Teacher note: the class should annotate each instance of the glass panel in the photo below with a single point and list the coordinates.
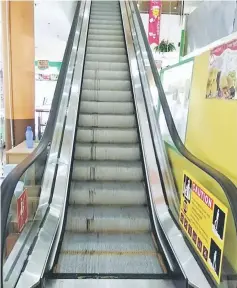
(22, 211)
(177, 85)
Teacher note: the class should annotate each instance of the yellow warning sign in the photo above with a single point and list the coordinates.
(203, 218)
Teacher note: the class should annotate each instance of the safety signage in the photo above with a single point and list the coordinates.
(22, 210)
(203, 218)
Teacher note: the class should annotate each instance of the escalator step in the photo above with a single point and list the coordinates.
(106, 58)
(106, 27)
(95, 107)
(116, 44)
(106, 66)
(107, 171)
(88, 151)
(107, 135)
(111, 85)
(106, 50)
(116, 219)
(115, 14)
(107, 17)
(105, 32)
(106, 96)
(107, 121)
(118, 38)
(106, 22)
(107, 193)
(108, 253)
(106, 75)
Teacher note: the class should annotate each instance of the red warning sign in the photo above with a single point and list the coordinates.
(22, 210)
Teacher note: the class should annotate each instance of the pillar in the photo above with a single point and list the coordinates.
(18, 69)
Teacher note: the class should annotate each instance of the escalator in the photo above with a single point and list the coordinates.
(108, 226)
(107, 214)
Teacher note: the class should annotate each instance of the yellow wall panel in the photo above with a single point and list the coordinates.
(212, 124)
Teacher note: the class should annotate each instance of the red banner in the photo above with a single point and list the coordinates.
(232, 45)
(22, 210)
(154, 22)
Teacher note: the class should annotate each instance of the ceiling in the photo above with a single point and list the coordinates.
(53, 20)
(168, 7)
(172, 7)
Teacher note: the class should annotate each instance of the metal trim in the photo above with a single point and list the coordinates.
(38, 258)
(115, 283)
(174, 237)
(143, 125)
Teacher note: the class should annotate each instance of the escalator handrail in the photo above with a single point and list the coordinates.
(226, 184)
(10, 182)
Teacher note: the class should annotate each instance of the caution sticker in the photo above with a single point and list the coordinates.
(203, 218)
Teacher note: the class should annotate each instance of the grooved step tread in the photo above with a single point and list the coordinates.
(118, 219)
(97, 107)
(100, 43)
(106, 58)
(107, 170)
(107, 121)
(108, 253)
(106, 96)
(98, 75)
(88, 151)
(107, 193)
(107, 135)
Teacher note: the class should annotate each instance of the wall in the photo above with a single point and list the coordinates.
(212, 20)
(216, 142)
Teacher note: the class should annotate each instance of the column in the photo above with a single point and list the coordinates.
(18, 69)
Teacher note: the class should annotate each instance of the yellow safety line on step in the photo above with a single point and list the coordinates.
(118, 253)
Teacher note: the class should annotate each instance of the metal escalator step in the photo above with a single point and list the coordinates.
(107, 193)
(107, 17)
(100, 7)
(106, 50)
(105, 3)
(120, 219)
(89, 151)
(106, 66)
(106, 22)
(106, 75)
(106, 27)
(118, 38)
(105, 8)
(108, 253)
(107, 170)
(104, 32)
(107, 121)
(106, 96)
(116, 44)
(107, 58)
(114, 14)
(111, 85)
(95, 107)
(107, 135)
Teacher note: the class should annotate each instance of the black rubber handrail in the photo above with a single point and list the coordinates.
(226, 184)
(10, 182)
